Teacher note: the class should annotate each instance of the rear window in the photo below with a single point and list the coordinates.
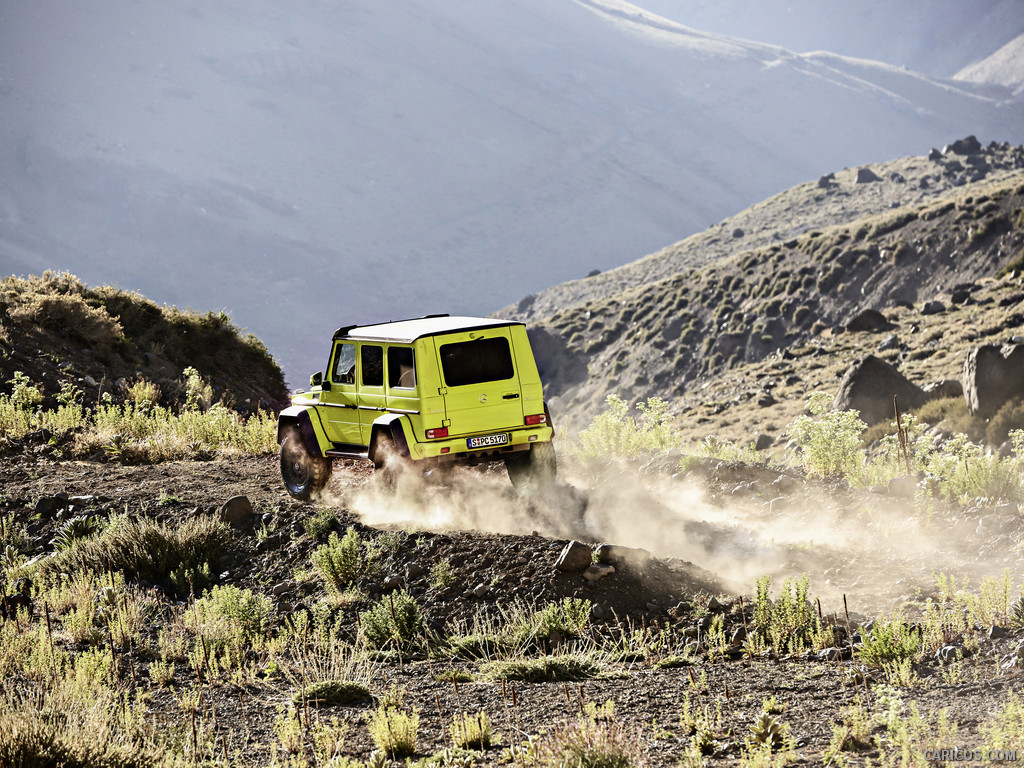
(477, 361)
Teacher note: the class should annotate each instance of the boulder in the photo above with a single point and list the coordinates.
(236, 510)
(993, 375)
(866, 176)
(967, 146)
(934, 155)
(869, 386)
(933, 307)
(868, 320)
(940, 390)
(574, 557)
(613, 553)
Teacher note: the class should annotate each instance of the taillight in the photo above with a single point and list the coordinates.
(434, 434)
(536, 418)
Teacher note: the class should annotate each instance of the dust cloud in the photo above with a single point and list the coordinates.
(876, 550)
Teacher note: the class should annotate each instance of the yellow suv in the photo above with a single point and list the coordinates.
(417, 393)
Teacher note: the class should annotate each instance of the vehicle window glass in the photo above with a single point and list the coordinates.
(373, 366)
(344, 370)
(474, 362)
(401, 368)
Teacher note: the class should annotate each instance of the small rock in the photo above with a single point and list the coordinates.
(48, 506)
(393, 581)
(269, 544)
(763, 442)
(414, 570)
(830, 654)
(996, 632)
(236, 510)
(598, 571)
(597, 611)
(280, 589)
(933, 307)
(574, 557)
(892, 341)
(739, 636)
(479, 590)
(949, 653)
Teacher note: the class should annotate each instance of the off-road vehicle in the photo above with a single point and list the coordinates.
(418, 394)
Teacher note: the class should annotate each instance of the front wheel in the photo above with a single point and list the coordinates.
(304, 473)
(533, 470)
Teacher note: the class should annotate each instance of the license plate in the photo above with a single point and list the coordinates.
(487, 441)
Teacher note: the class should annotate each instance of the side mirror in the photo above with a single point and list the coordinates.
(317, 379)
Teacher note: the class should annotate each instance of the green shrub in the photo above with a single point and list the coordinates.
(828, 440)
(569, 666)
(471, 731)
(889, 642)
(340, 561)
(394, 622)
(615, 433)
(320, 523)
(1008, 418)
(789, 624)
(394, 730)
(247, 614)
(333, 693)
(143, 549)
(593, 740)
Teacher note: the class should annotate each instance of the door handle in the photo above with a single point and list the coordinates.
(510, 396)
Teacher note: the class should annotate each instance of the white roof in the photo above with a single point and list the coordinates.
(410, 330)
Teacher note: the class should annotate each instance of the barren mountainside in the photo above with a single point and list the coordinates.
(779, 274)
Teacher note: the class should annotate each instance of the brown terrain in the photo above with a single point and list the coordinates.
(691, 534)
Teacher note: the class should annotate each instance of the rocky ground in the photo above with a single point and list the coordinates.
(708, 534)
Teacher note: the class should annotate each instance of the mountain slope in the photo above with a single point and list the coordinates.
(1005, 67)
(937, 37)
(303, 165)
(661, 327)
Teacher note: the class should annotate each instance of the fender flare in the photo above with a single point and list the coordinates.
(394, 425)
(309, 427)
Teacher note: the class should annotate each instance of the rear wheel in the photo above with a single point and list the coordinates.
(533, 470)
(304, 473)
(389, 464)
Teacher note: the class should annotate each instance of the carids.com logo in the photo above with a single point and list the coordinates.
(960, 755)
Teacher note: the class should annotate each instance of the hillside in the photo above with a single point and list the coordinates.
(301, 165)
(936, 37)
(784, 273)
(56, 330)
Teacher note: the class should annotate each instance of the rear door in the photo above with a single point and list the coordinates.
(480, 383)
(372, 399)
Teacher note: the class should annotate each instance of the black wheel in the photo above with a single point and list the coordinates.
(388, 462)
(303, 472)
(533, 470)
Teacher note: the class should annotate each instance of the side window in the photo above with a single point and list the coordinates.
(373, 366)
(401, 368)
(344, 369)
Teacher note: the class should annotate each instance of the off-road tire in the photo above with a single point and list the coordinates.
(533, 471)
(303, 472)
(388, 462)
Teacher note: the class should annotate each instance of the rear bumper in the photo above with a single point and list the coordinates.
(457, 448)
